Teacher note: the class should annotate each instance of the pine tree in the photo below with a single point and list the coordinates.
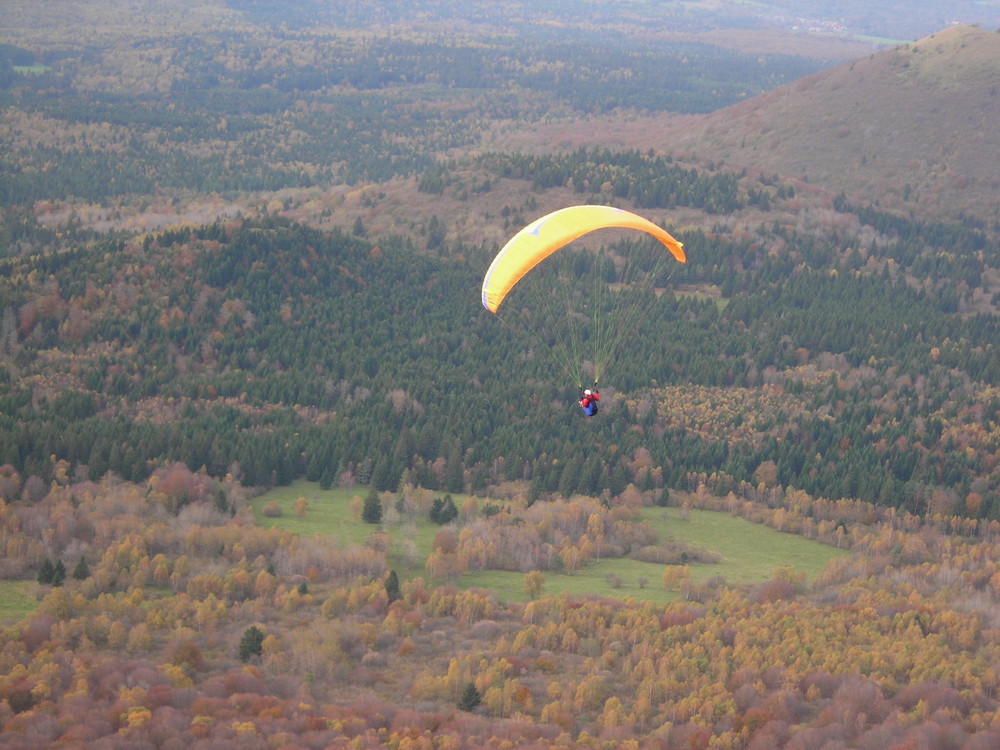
(569, 480)
(392, 586)
(470, 698)
(384, 475)
(314, 468)
(663, 499)
(443, 510)
(221, 503)
(372, 512)
(58, 573)
(449, 512)
(252, 643)
(454, 476)
(46, 572)
(82, 570)
(535, 489)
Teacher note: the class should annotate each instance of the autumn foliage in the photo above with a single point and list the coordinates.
(193, 628)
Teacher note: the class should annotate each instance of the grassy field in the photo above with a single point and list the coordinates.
(17, 599)
(709, 293)
(329, 513)
(591, 579)
(750, 552)
(31, 69)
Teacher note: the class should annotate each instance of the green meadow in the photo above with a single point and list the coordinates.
(620, 578)
(329, 513)
(35, 69)
(712, 294)
(17, 599)
(749, 552)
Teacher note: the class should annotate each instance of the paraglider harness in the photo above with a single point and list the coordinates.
(589, 399)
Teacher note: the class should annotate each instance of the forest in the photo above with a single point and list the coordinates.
(241, 251)
(239, 112)
(287, 351)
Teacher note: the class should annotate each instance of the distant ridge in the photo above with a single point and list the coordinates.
(914, 128)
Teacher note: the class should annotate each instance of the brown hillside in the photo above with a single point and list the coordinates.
(923, 115)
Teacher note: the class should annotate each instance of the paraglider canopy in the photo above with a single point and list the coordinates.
(580, 308)
(541, 238)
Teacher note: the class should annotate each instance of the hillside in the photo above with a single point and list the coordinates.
(794, 314)
(269, 349)
(910, 128)
(272, 478)
(189, 626)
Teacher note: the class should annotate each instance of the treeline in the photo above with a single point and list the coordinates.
(599, 72)
(645, 180)
(275, 351)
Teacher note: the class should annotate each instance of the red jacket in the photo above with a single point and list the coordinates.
(585, 401)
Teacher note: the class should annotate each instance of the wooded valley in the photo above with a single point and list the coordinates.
(241, 250)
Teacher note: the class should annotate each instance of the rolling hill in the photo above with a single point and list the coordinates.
(913, 125)
(910, 128)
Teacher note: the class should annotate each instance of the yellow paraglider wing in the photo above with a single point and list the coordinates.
(541, 238)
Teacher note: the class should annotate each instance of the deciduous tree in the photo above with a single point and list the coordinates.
(533, 583)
